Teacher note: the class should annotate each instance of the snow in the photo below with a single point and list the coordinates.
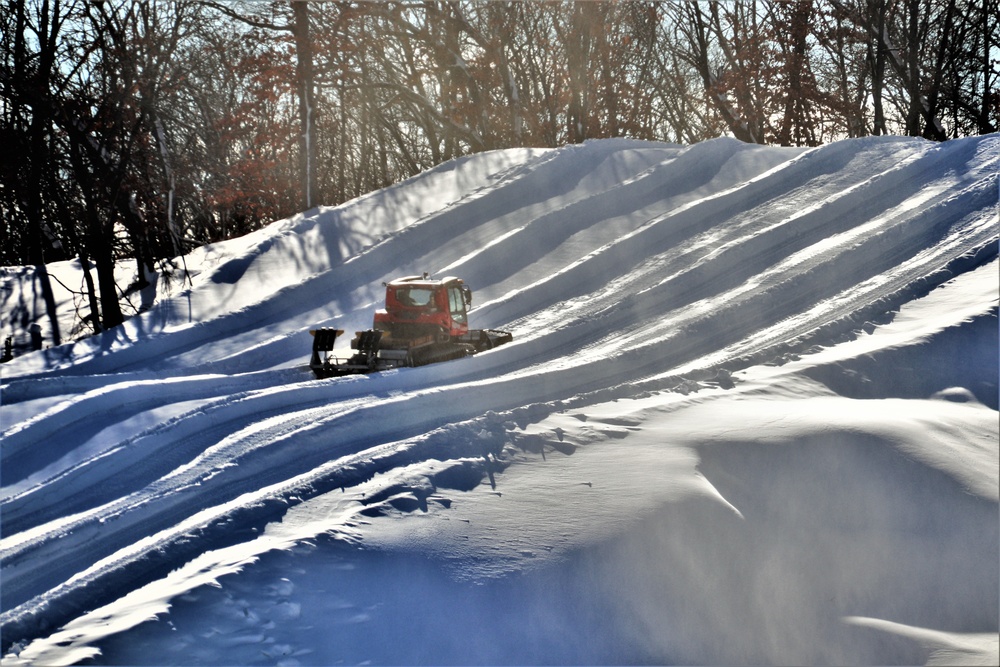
(749, 416)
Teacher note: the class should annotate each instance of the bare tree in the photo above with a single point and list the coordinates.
(297, 25)
(140, 129)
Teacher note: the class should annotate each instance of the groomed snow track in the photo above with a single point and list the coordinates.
(620, 267)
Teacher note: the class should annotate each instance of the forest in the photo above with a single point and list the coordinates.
(136, 130)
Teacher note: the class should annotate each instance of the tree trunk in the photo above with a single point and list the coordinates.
(877, 56)
(577, 58)
(307, 103)
(795, 99)
(88, 280)
(38, 156)
(990, 40)
(913, 67)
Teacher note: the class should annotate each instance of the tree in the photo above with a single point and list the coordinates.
(28, 121)
(138, 130)
(796, 124)
(297, 25)
(699, 30)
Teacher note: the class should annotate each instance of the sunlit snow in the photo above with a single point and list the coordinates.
(749, 416)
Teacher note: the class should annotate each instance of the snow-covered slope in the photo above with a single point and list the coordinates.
(749, 415)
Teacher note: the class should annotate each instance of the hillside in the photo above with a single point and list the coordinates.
(749, 416)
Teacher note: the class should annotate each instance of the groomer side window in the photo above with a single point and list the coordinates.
(456, 304)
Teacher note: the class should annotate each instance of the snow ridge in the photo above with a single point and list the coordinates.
(660, 277)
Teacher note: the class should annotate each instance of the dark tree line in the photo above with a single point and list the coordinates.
(138, 129)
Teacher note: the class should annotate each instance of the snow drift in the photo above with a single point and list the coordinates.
(749, 416)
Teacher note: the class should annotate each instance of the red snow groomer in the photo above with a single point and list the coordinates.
(424, 321)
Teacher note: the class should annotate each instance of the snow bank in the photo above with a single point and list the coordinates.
(748, 416)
